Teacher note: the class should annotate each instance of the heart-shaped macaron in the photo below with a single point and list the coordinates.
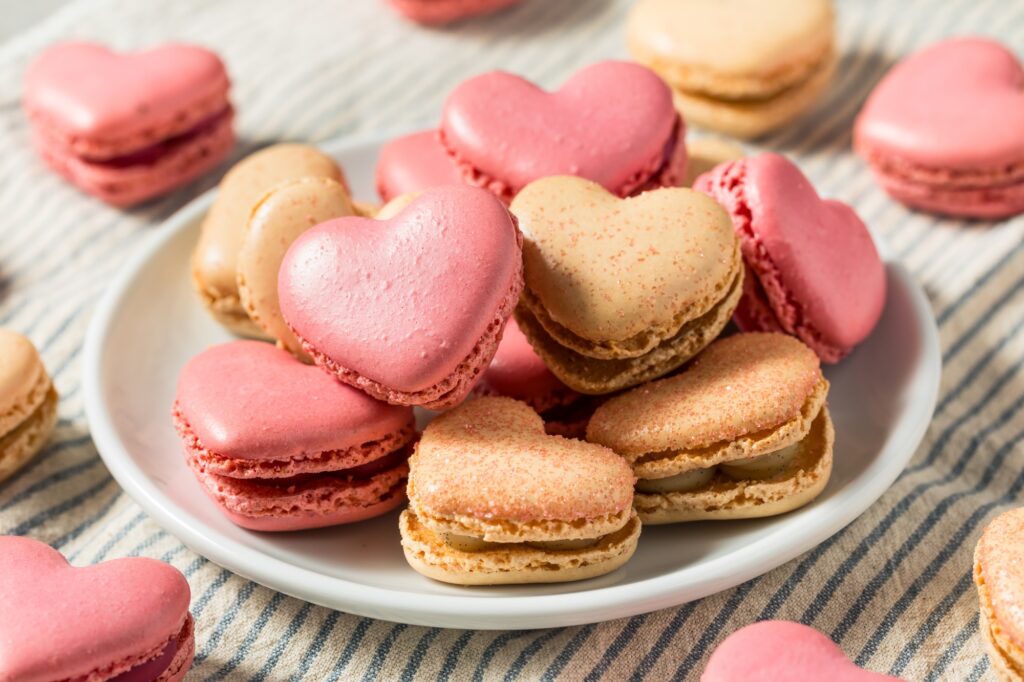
(58, 622)
(620, 291)
(813, 269)
(612, 122)
(525, 506)
(781, 651)
(409, 309)
(943, 129)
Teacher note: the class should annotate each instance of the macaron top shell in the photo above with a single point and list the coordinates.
(403, 301)
(276, 221)
(737, 386)
(20, 370)
(516, 370)
(732, 36)
(251, 400)
(414, 162)
(216, 256)
(781, 651)
(813, 257)
(1000, 556)
(609, 269)
(606, 123)
(957, 104)
(58, 622)
(490, 459)
(87, 89)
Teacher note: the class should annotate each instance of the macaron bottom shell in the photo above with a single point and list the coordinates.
(513, 563)
(172, 663)
(23, 442)
(725, 498)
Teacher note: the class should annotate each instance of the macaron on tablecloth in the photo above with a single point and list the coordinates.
(895, 590)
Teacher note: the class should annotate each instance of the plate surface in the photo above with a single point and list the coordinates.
(151, 322)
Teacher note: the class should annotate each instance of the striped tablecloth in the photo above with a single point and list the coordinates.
(894, 588)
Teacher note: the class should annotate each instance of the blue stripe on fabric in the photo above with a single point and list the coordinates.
(978, 670)
(566, 654)
(266, 613)
(967, 632)
(418, 654)
(353, 643)
(293, 627)
(621, 641)
(225, 621)
(42, 517)
(452, 659)
(92, 520)
(496, 645)
(210, 592)
(121, 533)
(317, 645)
(50, 480)
(381, 652)
(931, 623)
(649, 660)
(711, 632)
(942, 317)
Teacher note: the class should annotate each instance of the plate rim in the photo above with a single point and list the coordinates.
(476, 611)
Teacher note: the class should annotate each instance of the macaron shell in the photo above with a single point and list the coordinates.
(404, 302)
(412, 163)
(249, 400)
(627, 272)
(433, 12)
(276, 221)
(102, 104)
(489, 459)
(730, 47)
(778, 651)
(738, 385)
(24, 441)
(999, 575)
(48, 612)
(507, 129)
(214, 262)
(814, 259)
(707, 152)
(23, 379)
(518, 372)
(957, 104)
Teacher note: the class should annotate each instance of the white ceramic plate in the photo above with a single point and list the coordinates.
(151, 322)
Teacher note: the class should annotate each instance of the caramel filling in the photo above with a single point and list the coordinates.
(752, 468)
(468, 543)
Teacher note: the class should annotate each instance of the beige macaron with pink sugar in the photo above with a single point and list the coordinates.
(999, 578)
(495, 500)
(742, 432)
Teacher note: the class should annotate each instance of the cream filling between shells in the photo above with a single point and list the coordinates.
(468, 543)
(751, 468)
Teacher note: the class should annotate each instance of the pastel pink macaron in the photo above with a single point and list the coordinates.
(812, 268)
(280, 445)
(412, 163)
(942, 131)
(128, 127)
(518, 372)
(434, 12)
(781, 651)
(124, 620)
(409, 309)
(612, 122)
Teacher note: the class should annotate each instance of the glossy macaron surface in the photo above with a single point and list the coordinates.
(404, 301)
(739, 385)
(412, 163)
(610, 122)
(490, 459)
(59, 622)
(517, 371)
(250, 400)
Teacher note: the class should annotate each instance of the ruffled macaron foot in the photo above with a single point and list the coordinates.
(494, 500)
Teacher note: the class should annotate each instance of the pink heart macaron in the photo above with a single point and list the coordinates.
(812, 268)
(781, 651)
(412, 163)
(943, 130)
(124, 620)
(128, 127)
(612, 122)
(280, 445)
(435, 12)
(409, 309)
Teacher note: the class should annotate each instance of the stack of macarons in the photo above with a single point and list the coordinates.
(128, 127)
(28, 402)
(532, 291)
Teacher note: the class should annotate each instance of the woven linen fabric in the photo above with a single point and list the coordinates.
(893, 588)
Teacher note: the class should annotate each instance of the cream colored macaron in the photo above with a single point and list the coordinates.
(743, 432)
(999, 577)
(28, 402)
(495, 500)
(741, 67)
(277, 220)
(215, 259)
(622, 291)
